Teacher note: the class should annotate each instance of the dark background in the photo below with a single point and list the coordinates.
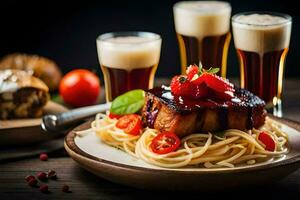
(67, 31)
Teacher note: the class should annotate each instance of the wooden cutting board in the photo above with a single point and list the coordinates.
(27, 131)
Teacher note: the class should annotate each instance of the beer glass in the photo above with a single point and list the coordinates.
(262, 41)
(128, 61)
(203, 33)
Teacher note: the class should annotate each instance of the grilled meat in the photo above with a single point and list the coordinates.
(182, 115)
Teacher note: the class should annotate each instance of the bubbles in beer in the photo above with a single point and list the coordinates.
(260, 19)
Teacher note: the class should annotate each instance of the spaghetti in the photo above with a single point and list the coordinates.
(209, 150)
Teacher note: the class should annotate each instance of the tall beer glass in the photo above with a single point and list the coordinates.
(262, 41)
(203, 33)
(128, 61)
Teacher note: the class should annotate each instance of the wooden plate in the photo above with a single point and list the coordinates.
(117, 166)
(27, 131)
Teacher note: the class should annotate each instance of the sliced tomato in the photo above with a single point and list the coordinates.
(267, 140)
(131, 124)
(114, 116)
(165, 142)
(214, 82)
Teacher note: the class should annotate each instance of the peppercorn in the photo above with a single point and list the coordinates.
(43, 157)
(29, 177)
(32, 182)
(42, 176)
(65, 188)
(44, 188)
(52, 174)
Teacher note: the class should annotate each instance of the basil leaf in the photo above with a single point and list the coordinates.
(57, 98)
(128, 103)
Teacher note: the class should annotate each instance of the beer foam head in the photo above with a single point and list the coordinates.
(129, 52)
(261, 32)
(202, 18)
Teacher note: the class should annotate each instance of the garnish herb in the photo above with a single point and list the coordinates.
(128, 103)
(210, 70)
(213, 70)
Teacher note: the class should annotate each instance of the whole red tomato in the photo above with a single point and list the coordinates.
(79, 87)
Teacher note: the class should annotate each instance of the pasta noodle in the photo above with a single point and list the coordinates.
(199, 149)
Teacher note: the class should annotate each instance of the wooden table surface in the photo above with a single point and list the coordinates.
(85, 185)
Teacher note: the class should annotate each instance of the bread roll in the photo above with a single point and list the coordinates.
(41, 67)
(21, 95)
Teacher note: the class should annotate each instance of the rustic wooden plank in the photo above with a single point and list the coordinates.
(85, 185)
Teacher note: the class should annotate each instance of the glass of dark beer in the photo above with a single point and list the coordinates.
(262, 41)
(203, 33)
(128, 61)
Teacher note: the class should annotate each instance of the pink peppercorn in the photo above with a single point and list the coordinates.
(52, 174)
(43, 157)
(42, 176)
(44, 188)
(32, 182)
(65, 188)
(29, 177)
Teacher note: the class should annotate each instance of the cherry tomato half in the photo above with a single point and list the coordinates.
(131, 124)
(165, 142)
(267, 140)
(80, 87)
(114, 116)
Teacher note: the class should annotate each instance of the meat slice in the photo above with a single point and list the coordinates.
(183, 116)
